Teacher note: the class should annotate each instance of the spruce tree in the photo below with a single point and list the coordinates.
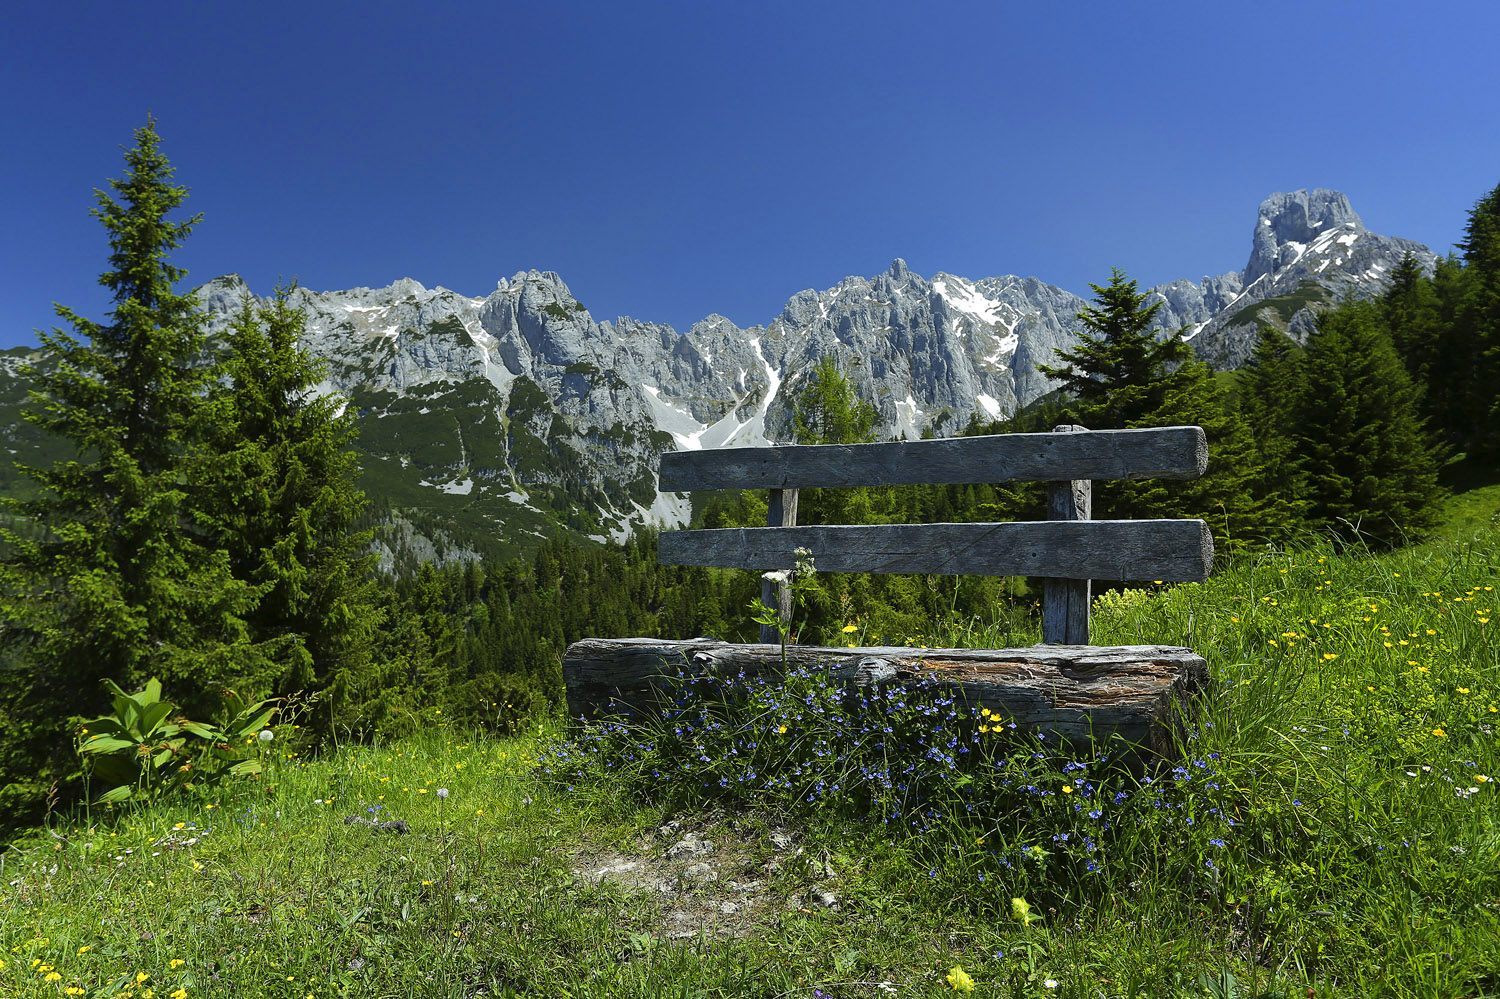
(1126, 373)
(827, 410)
(1478, 325)
(1410, 306)
(1371, 467)
(1270, 387)
(1115, 373)
(108, 582)
(279, 495)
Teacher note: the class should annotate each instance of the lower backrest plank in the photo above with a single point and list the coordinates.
(1176, 550)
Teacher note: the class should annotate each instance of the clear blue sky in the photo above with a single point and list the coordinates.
(675, 159)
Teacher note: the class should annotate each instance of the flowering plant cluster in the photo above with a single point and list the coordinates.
(1014, 807)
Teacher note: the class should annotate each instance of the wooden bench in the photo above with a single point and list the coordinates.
(1063, 686)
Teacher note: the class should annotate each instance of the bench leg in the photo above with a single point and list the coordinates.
(1065, 602)
(782, 512)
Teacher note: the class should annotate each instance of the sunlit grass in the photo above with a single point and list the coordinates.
(1331, 825)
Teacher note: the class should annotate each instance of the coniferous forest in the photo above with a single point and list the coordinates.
(205, 529)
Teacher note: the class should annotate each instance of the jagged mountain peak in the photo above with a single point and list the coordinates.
(521, 280)
(1309, 249)
(1287, 223)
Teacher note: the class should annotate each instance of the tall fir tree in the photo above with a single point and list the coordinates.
(109, 582)
(279, 493)
(1410, 306)
(1115, 373)
(1127, 372)
(1478, 323)
(1371, 466)
(1270, 387)
(827, 410)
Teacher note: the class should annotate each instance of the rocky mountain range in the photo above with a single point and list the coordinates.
(516, 415)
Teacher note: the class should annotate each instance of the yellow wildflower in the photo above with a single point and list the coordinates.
(176, 962)
(1440, 733)
(1067, 789)
(960, 980)
(850, 629)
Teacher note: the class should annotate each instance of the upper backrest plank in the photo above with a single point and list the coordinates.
(1176, 550)
(1155, 453)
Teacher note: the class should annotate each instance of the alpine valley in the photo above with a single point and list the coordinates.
(517, 416)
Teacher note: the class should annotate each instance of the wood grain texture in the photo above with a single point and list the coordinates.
(1158, 452)
(1065, 602)
(1178, 550)
(1072, 691)
(780, 512)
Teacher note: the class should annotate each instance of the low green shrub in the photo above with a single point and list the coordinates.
(146, 751)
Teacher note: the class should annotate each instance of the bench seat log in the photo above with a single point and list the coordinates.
(1151, 453)
(1073, 692)
(1176, 550)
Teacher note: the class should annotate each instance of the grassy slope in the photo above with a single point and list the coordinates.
(1355, 710)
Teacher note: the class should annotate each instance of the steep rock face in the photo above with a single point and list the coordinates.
(1287, 223)
(1309, 250)
(1191, 306)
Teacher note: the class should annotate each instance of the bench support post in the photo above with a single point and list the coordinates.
(782, 512)
(1065, 602)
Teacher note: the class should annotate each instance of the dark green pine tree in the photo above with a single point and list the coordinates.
(279, 494)
(827, 410)
(1115, 373)
(107, 581)
(1370, 465)
(1411, 308)
(1270, 388)
(1127, 372)
(1478, 326)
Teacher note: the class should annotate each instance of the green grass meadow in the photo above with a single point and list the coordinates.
(1331, 829)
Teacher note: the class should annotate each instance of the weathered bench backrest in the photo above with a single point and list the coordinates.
(1068, 549)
